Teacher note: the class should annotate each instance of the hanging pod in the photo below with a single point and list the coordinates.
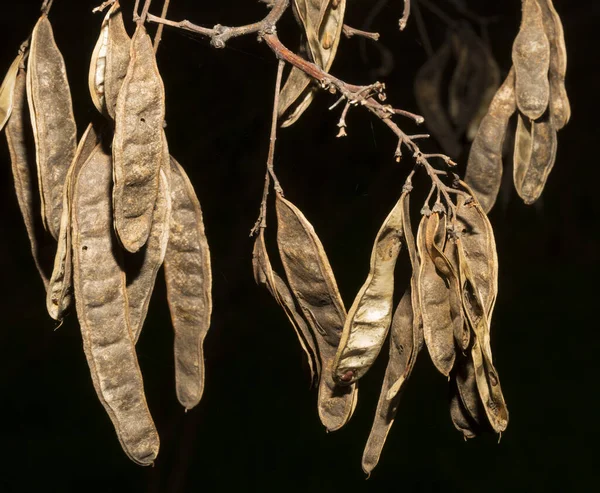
(7, 90)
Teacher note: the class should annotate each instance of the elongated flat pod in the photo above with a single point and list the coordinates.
(7, 90)
(531, 177)
(531, 60)
(403, 354)
(434, 295)
(370, 315)
(188, 277)
(52, 119)
(466, 386)
(458, 413)
(560, 108)
(109, 62)
(22, 157)
(484, 167)
(138, 144)
(428, 93)
(265, 275)
(523, 150)
(60, 288)
(101, 301)
(142, 267)
(488, 383)
(312, 281)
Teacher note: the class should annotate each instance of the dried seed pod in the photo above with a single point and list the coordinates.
(109, 61)
(142, 267)
(189, 286)
(370, 315)
(101, 300)
(560, 109)
(406, 341)
(311, 280)
(323, 21)
(22, 156)
(434, 295)
(531, 59)
(60, 288)
(52, 119)
(7, 90)
(138, 144)
(536, 141)
(266, 276)
(460, 416)
(466, 386)
(484, 168)
(428, 91)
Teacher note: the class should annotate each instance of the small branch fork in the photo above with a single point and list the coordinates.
(370, 97)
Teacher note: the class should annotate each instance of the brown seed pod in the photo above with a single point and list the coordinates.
(109, 61)
(370, 315)
(428, 93)
(138, 144)
(60, 288)
(323, 21)
(7, 90)
(531, 59)
(22, 157)
(466, 386)
(312, 281)
(189, 286)
(535, 154)
(484, 168)
(434, 294)
(266, 276)
(52, 119)
(101, 300)
(459, 414)
(560, 109)
(142, 267)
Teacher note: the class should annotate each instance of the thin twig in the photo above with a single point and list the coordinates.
(46, 6)
(423, 31)
(136, 9)
(159, 30)
(351, 31)
(145, 10)
(103, 5)
(405, 15)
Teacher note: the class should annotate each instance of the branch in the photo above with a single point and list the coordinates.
(350, 31)
(159, 30)
(405, 15)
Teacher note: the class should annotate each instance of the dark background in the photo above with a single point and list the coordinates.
(256, 428)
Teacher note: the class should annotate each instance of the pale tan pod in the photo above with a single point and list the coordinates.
(531, 59)
(60, 288)
(142, 267)
(7, 90)
(188, 277)
(102, 309)
(266, 276)
(523, 150)
(560, 109)
(484, 167)
(98, 68)
(370, 315)
(428, 90)
(312, 281)
(22, 157)
(434, 295)
(52, 119)
(138, 144)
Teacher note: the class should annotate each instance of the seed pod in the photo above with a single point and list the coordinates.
(109, 61)
(484, 168)
(323, 21)
(7, 90)
(434, 295)
(536, 141)
(138, 144)
(560, 109)
(466, 386)
(448, 266)
(428, 90)
(142, 267)
(460, 416)
(22, 156)
(189, 286)
(266, 276)
(101, 300)
(311, 280)
(369, 318)
(60, 288)
(531, 59)
(52, 119)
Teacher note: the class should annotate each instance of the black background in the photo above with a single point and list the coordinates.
(256, 428)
